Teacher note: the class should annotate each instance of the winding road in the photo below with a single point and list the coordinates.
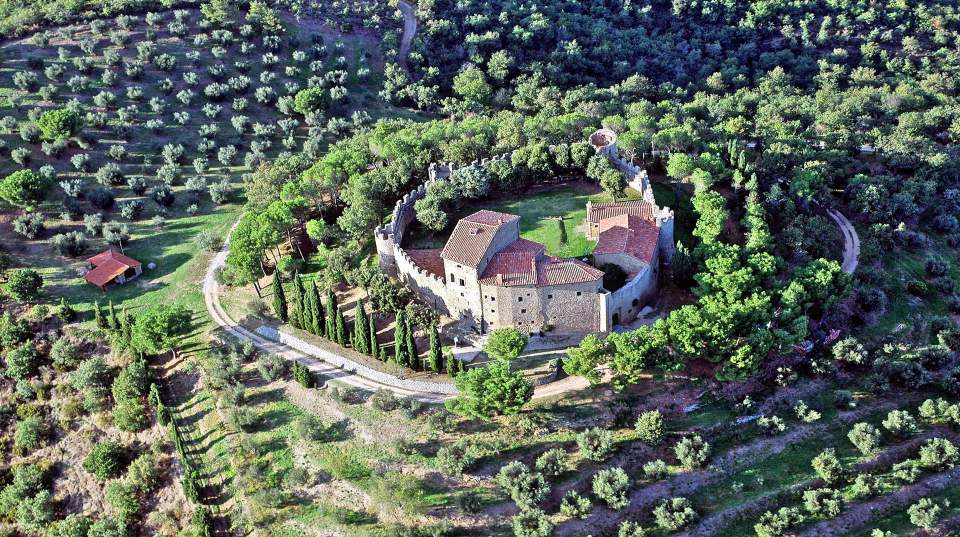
(409, 31)
(851, 241)
(348, 375)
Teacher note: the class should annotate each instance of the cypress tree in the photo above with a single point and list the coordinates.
(126, 327)
(436, 354)
(450, 366)
(400, 339)
(279, 298)
(372, 333)
(461, 367)
(412, 355)
(306, 314)
(112, 319)
(299, 292)
(341, 328)
(318, 324)
(382, 354)
(98, 315)
(331, 314)
(360, 326)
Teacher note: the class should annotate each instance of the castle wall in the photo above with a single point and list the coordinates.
(565, 308)
(625, 303)
(429, 288)
(628, 263)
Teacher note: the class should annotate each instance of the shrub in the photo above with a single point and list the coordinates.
(936, 266)
(631, 529)
(220, 191)
(22, 361)
(505, 343)
(692, 451)
(23, 188)
(552, 462)
(36, 513)
(384, 400)
(828, 466)
(865, 437)
(595, 444)
(72, 525)
(850, 350)
(59, 124)
(122, 497)
(649, 427)
(900, 423)
(926, 513)
(311, 427)
(101, 198)
(456, 458)
(30, 225)
(823, 503)
(674, 514)
(130, 415)
(21, 156)
(271, 367)
(610, 485)
(525, 488)
(532, 523)
(106, 460)
(64, 354)
(162, 195)
(777, 524)
(656, 469)
(24, 284)
(865, 485)
(573, 505)
(938, 453)
(69, 244)
(30, 433)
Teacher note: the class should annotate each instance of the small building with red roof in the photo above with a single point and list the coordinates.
(111, 267)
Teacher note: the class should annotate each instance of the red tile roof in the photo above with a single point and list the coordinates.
(108, 265)
(629, 235)
(639, 208)
(472, 236)
(524, 263)
(109, 254)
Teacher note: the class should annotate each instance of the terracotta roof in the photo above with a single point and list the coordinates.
(637, 238)
(108, 264)
(524, 263)
(472, 236)
(111, 254)
(428, 259)
(639, 208)
(105, 272)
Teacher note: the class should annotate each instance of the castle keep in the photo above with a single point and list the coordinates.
(488, 276)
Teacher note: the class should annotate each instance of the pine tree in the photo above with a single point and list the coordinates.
(412, 355)
(372, 333)
(400, 339)
(112, 321)
(360, 326)
(331, 314)
(436, 353)
(279, 298)
(98, 315)
(318, 322)
(299, 292)
(341, 328)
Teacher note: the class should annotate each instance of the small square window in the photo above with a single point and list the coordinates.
(493, 299)
(519, 299)
(461, 281)
(461, 294)
(523, 311)
(549, 296)
(459, 266)
(453, 277)
(578, 293)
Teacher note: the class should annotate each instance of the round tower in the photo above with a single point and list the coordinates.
(605, 141)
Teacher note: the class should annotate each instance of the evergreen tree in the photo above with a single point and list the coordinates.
(382, 355)
(279, 298)
(112, 320)
(126, 326)
(412, 355)
(341, 328)
(299, 297)
(309, 309)
(372, 333)
(98, 315)
(331, 314)
(436, 353)
(400, 339)
(451, 367)
(461, 367)
(360, 326)
(318, 323)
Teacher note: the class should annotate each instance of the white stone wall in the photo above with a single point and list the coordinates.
(627, 301)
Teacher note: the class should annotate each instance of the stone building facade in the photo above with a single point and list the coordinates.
(489, 277)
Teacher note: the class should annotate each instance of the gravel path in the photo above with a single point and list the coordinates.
(851, 241)
(409, 31)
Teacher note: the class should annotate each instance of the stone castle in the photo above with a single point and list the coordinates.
(489, 277)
